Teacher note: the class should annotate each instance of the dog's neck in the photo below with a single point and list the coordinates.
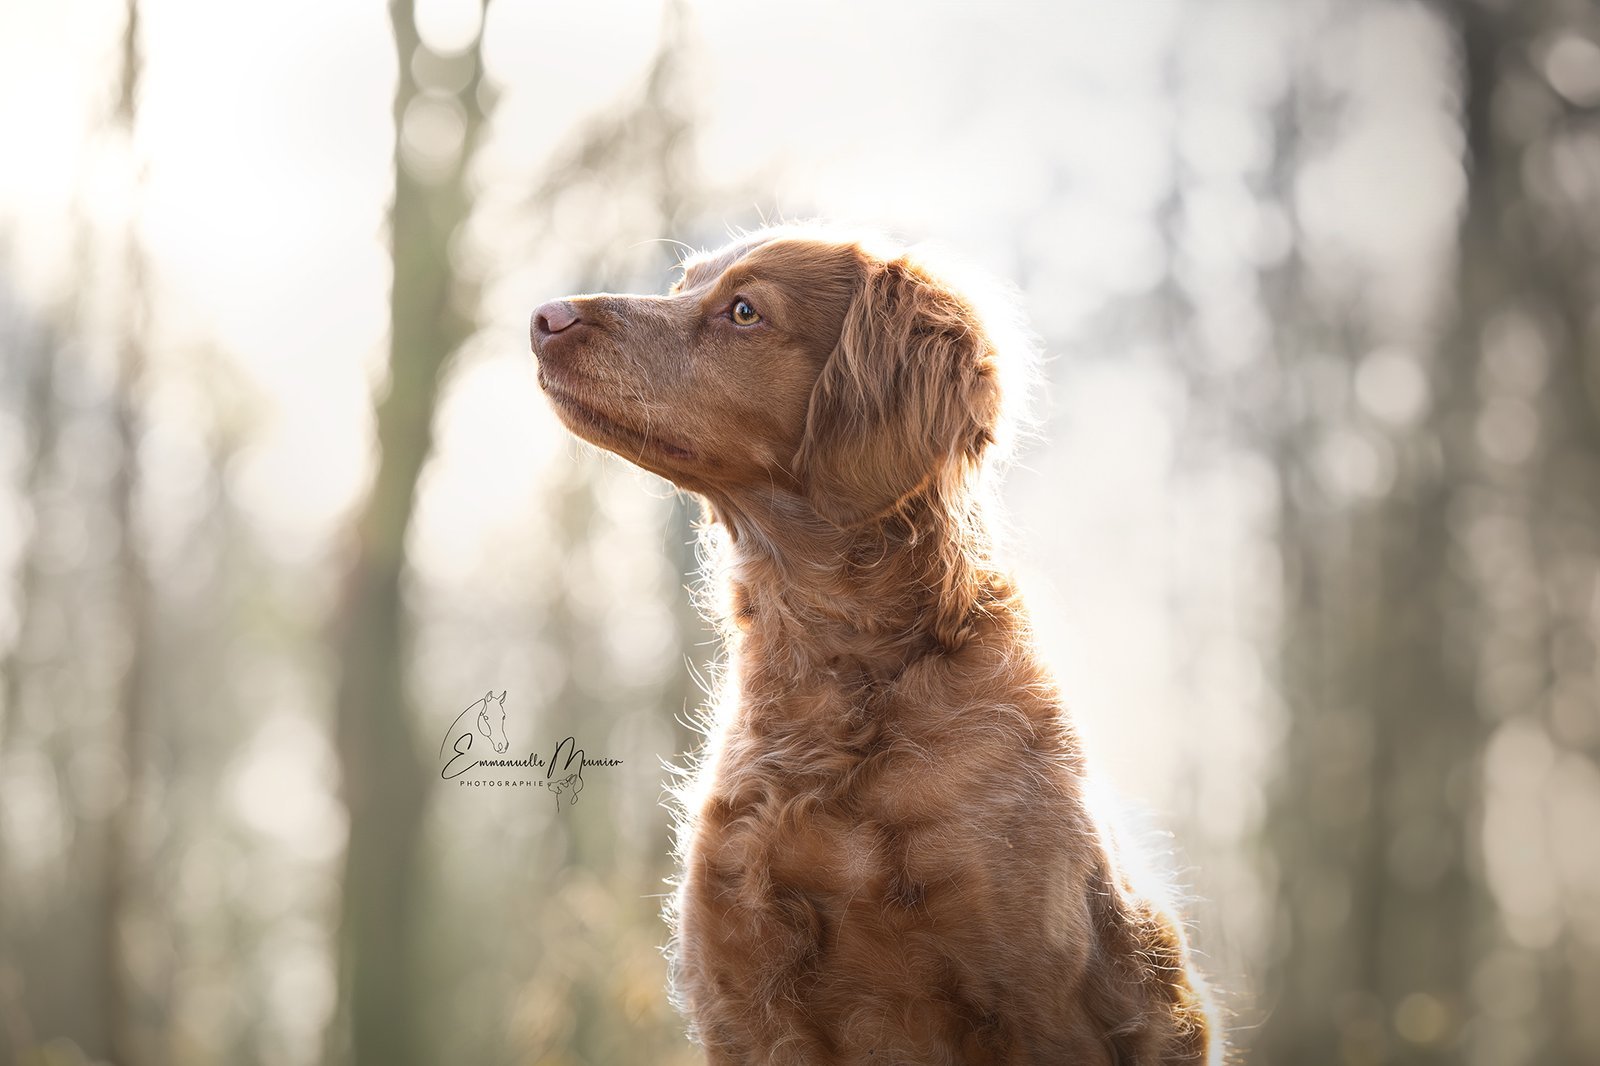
(872, 598)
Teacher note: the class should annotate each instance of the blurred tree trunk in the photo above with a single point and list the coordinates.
(384, 783)
(1317, 1004)
(1375, 815)
(1529, 515)
(127, 1044)
(41, 410)
(38, 349)
(1386, 939)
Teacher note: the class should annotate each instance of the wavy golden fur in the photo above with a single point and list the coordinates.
(887, 852)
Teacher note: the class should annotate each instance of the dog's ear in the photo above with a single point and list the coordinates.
(908, 396)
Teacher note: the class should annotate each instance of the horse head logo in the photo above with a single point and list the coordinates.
(492, 719)
(571, 785)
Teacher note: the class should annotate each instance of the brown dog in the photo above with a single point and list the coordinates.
(887, 854)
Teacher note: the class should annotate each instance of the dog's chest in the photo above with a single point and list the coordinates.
(777, 882)
(823, 824)
(843, 836)
(809, 817)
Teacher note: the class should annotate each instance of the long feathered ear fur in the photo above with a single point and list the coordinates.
(908, 398)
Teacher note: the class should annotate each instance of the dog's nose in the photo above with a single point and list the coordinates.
(553, 317)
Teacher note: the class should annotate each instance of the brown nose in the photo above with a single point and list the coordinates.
(553, 317)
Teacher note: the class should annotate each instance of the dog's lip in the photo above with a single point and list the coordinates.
(585, 412)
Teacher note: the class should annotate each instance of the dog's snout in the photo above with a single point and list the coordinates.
(554, 316)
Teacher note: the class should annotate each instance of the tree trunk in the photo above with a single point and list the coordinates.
(121, 872)
(384, 783)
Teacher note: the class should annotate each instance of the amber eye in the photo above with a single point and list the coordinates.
(743, 314)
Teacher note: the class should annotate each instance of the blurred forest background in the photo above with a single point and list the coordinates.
(1312, 526)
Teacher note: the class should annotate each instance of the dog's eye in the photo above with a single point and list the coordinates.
(743, 314)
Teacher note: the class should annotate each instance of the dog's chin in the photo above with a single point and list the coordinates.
(587, 420)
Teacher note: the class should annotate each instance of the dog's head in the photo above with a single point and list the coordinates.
(787, 361)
